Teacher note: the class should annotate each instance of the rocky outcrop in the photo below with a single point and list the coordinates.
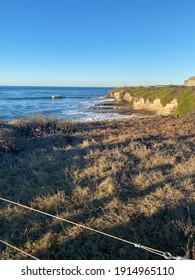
(190, 82)
(155, 106)
(141, 103)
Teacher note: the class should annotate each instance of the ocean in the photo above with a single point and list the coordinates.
(66, 103)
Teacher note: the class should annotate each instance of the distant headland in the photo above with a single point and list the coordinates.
(161, 100)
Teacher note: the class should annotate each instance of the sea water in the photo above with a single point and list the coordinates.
(67, 103)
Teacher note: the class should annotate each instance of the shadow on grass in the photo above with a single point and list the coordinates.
(45, 165)
(159, 231)
(171, 229)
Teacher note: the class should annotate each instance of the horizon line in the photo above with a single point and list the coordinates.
(124, 86)
(56, 86)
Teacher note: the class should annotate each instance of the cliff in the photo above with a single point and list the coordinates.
(163, 100)
(190, 82)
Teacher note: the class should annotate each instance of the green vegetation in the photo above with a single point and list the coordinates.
(184, 95)
(186, 102)
(130, 178)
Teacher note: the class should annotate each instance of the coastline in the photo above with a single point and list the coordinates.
(74, 103)
(163, 100)
(121, 108)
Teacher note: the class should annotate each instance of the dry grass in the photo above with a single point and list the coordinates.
(134, 179)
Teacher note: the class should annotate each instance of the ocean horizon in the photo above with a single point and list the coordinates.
(66, 103)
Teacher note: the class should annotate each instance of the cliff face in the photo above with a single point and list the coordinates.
(142, 102)
(155, 106)
(190, 82)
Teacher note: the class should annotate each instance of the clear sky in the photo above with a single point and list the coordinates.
(96, 42)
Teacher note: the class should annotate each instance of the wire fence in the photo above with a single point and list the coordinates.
(19, 250)
(165, 255)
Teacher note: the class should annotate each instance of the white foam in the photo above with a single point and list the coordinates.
(83, 116)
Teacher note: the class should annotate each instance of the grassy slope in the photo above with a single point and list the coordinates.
(133, 179)
(185, 96)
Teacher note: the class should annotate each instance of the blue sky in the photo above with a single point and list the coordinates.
(96, 42)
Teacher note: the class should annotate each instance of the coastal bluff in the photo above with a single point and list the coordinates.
(161, 100)
(190, 82)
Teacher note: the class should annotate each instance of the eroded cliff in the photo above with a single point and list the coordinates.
(166, 100)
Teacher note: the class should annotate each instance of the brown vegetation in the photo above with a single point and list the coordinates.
(134, 179)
